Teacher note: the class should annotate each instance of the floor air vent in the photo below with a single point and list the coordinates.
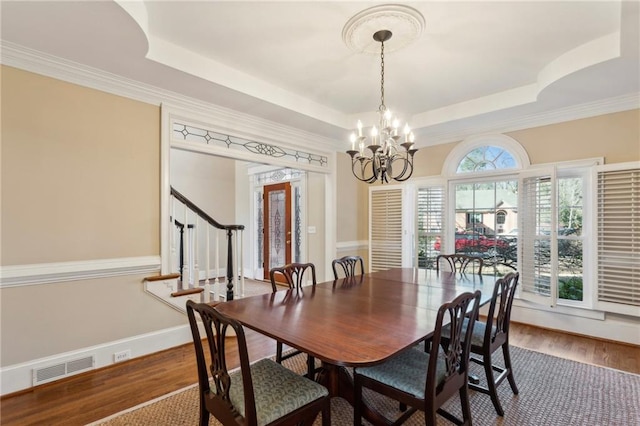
(64, 369)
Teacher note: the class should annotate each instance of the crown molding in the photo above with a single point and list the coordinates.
(31, 60)
(51, 66)
(464, 130)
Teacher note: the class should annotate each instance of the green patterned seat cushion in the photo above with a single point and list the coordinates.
(278, 391)
(407, 371)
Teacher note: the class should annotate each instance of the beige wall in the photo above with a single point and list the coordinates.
(316, 217)
(80, 181)
(80, 173)
(616, 137)
(206, 180)
(45, 320)
(352, 219)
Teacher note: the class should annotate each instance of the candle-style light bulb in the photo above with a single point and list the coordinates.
(411, 137)
(387, 118)
(396, 123)
(374, 134)
(353, 141)
(407, 130)
(359, 128)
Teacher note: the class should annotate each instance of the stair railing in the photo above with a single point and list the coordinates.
(187, 264)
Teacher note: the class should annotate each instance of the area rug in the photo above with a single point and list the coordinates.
(553, 391)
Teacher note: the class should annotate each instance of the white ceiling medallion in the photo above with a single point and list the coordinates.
(404, 22)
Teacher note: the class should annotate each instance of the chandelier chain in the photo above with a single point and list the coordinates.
(382, 106)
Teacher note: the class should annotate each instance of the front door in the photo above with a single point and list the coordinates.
(277, 226)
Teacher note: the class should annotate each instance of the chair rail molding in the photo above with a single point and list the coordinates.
(47, 273)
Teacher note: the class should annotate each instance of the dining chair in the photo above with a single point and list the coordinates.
(245, 396)
(348, 265)
(425, 381)
(294, 274)
(493, 333)
(459, 262)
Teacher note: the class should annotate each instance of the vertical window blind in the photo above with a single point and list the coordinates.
(385, 224)
(537, 210)
(618, 217)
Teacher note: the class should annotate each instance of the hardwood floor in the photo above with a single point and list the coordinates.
(91, 396)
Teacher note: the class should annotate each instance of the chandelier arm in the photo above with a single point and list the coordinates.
(404, 166)
(408, 166)
(363, 161)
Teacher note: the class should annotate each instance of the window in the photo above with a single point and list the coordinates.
(478, 207)
(430, 224)
(486, 158)
(571, 229)
(501, 217)
(519, 219)
(552, 245)
(473, 218)
(570, 237)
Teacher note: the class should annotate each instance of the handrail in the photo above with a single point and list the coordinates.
(202, 213)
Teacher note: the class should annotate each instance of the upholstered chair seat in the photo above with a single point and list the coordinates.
(292, 393)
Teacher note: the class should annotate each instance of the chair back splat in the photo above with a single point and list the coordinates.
(348, 265)
(245, 396)
(459, 262)
(425, 381)
(294, 274)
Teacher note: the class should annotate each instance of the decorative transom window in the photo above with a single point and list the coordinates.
(486, 158)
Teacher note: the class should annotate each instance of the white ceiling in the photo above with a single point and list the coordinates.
(477, 67)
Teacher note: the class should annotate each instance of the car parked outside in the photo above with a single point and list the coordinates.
(472, 242)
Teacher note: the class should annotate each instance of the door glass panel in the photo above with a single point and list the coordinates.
(570, 246)
(260, 228)
(277, 229)
(298, 226)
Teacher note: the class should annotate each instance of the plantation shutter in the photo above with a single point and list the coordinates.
(385, 229)
(538, 246)
(618, 219)
(430, 223)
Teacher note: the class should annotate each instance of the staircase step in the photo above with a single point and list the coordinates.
(162, 277)
(186, 292)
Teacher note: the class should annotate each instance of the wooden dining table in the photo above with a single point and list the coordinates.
(357, 321)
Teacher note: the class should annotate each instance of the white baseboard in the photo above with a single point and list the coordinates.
(18, 377)
(608, 328)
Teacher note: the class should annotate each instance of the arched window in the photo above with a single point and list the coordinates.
(501, 216)
(483, 188)
(485, 155)
(486, 158)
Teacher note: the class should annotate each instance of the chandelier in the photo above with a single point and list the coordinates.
(381, 156)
